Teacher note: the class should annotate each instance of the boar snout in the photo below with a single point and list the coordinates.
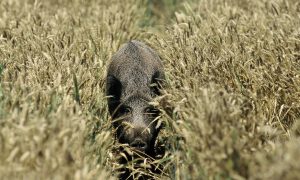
(138, 137)
(139, 144)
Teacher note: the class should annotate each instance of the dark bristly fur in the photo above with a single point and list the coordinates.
(133, 80)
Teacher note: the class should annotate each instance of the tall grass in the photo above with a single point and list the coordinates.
(231, 107)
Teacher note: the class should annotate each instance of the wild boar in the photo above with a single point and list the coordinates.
(135, 76)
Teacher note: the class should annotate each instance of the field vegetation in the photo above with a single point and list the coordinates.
(231, 107)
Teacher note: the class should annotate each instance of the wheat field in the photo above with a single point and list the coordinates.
(230, 109)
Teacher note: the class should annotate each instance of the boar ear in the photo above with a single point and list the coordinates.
(157, 82)
(113, 91)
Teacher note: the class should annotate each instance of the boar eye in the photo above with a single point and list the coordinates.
(123, 110)
(151, 110)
